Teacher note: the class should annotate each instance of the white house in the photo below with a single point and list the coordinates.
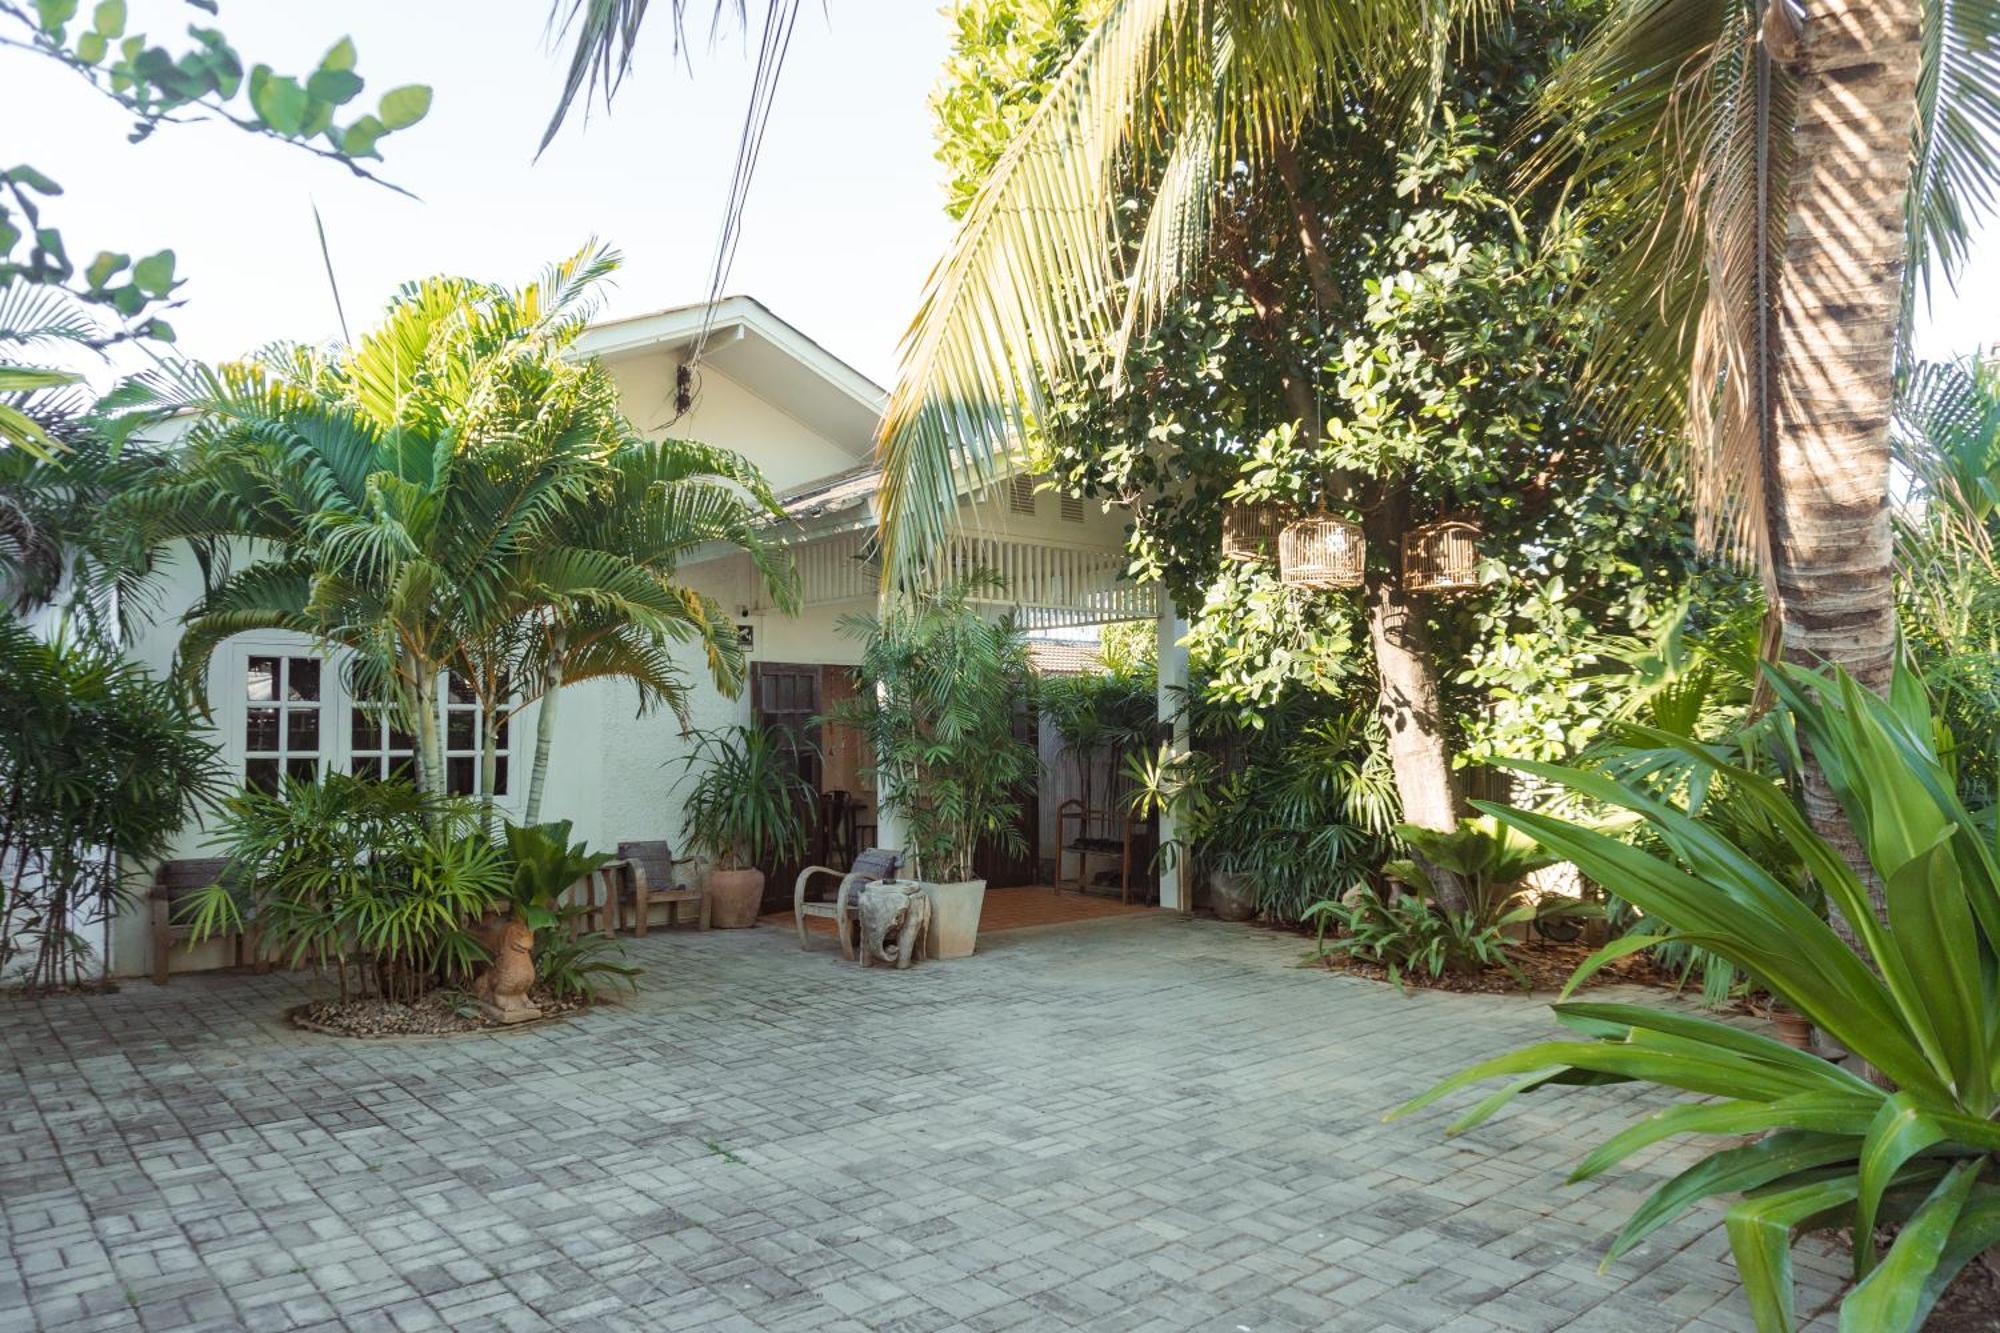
(807, 419)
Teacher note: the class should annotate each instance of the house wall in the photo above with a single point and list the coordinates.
(728, 414)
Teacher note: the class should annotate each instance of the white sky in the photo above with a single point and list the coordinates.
(845, 217)
(843, 223)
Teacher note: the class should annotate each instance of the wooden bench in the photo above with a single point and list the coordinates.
(876, 863)
(647, 875)
(173, 884)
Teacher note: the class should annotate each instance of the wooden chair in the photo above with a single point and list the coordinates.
(1083, 833)
(597, 893)
(647, 875)
(173, 884)
(875, 863)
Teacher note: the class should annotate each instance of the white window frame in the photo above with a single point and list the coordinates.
(230, 693)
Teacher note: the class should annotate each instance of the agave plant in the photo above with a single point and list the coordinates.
(1903, 1141)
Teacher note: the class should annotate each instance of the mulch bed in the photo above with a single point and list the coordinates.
(1545, 963)
(442, 1013)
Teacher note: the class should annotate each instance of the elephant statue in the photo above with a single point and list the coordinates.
(895, 924)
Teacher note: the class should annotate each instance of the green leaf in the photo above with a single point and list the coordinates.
(1892, 1296)
(1760, 1237)
(405, 106)
(107, 21)
(334, 85)
(157, 329)
(154, 275)
(32, 179)
(358, 139)
(279, 101)
(1821, 1112)
(105, 267)
(91, 48)
(339, 57)
(1900, 1131)
(1761, 1163)
(55, 13)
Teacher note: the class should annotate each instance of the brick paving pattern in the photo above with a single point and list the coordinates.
(1139, 1124)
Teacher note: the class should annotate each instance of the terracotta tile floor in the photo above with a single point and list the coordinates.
(1014, 909)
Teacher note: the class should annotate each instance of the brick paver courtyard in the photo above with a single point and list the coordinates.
(1144, 1123)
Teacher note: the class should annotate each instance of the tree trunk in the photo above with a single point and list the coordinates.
(430, 741)
(545, 733)
(1408, 698)
(1839, 299)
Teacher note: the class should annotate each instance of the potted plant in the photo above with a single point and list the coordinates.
(747, 806)
(940, 686)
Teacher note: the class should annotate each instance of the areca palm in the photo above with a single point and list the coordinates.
(443, 495)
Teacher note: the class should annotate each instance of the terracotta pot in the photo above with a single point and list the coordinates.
(1794, 1028)
(734, 898)
(1233, 896)
(955, 917)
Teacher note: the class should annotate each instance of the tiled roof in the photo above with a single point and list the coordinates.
(830, 495)
(1063, 657)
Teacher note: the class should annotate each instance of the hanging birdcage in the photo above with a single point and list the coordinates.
(1322, 552)
(1441, 557)
(1250, 530)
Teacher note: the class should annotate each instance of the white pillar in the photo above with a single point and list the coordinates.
(1173, 658)
(889, 830)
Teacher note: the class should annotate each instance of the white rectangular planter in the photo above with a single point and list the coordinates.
(955, 917)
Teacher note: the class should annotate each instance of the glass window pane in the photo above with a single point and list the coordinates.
(500, 776)
(302, 730)
(262, 678)
(401, 740)
(458, 776)
(366, 766)
(458, 689)
(461, 730)
(403, 770)
(302, 679)
(260, 728)
(262, 774)
(506, 725)
(365, 732)
(305, 769)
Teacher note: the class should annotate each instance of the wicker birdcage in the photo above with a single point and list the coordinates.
(1441, 557)
(1322, 552)
(1250, 530)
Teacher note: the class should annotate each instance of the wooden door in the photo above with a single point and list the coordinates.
(785, 703)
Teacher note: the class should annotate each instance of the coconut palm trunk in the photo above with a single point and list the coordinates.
(1838, 301)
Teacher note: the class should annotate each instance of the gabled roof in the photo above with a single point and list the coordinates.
(756, 348)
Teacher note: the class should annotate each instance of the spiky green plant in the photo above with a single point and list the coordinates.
(1916, 1000)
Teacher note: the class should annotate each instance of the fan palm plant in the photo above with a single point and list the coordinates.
(1916, 998)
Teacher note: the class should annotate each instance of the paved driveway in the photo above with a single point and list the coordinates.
(1138, 1124)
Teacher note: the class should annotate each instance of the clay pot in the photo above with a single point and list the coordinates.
(1794, 1028)
(955, 912)
(735, 897)
(1233, 896)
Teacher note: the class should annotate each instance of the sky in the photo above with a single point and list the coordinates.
(844, 219)
(843, 223)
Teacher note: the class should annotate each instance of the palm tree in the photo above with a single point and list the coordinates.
(443, 495)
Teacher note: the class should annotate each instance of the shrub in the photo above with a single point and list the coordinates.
(1406, 934)
(1917, 998)
(101, 765)
(375, 879)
